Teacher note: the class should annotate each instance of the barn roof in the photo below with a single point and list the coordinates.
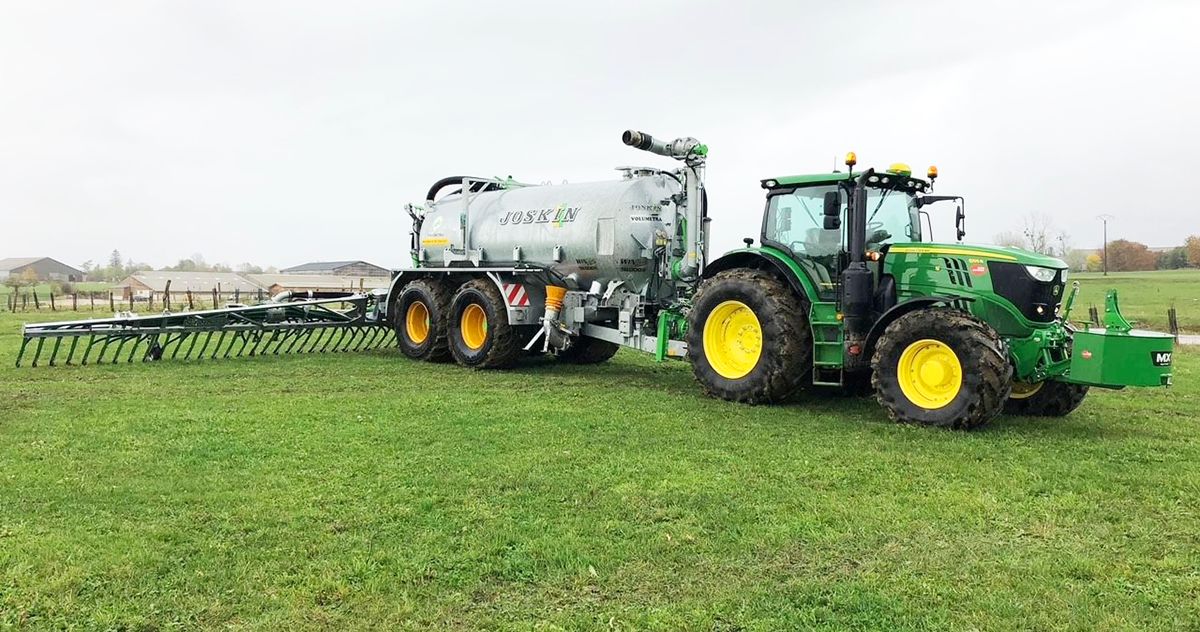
(319, 266)
(156, 280)
(12, 263)
(318, 281)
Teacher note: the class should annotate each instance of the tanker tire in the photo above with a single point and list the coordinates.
(786, 351)
(986, 373)
(502, 346)
(588, 351)
(436, 298)
(1053, 399)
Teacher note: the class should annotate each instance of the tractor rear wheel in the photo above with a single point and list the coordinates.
(748, 337)
(1044, 399)
(941, 367)
(588, 351)
(480, 335)
(419, 319)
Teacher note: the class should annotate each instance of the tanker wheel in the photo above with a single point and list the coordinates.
(1044, 399)
(480, 336)
(588, 351)
(420, 320)
(941, 367)
(748, 337)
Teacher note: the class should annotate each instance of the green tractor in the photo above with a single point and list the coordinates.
(847, 289)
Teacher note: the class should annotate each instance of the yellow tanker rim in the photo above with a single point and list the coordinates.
(416, 322)
(732, 339)
(929, 373)
(473, 325)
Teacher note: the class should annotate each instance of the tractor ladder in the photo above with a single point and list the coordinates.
(315, 322)
(827, 344)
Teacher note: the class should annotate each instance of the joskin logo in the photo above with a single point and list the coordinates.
(1160, 358)
(556, 216)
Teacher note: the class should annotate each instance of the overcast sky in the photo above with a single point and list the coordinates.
(281, 132)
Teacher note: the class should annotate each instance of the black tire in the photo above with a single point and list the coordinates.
(501, 344)
(1052, 399)
(588, 351)
(785, 355)
(434, 297)
(986, 375)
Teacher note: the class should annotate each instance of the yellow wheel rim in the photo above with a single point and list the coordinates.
(1023, 390)
(416, 322)
(930, 374)
(473, 325)
(732, 339)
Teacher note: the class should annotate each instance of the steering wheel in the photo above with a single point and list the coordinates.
(876, 233)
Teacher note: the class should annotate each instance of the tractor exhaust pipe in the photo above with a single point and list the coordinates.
(857, 280)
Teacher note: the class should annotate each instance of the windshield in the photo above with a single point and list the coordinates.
(795, 220)
(891, 216)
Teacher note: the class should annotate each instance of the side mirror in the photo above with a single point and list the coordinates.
(960, 222)
(833, 210)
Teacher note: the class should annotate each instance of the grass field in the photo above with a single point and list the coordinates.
(368, 491)
(1145, 296)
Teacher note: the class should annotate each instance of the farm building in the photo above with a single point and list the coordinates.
(143, 285)
(352, 269)
(45, 268)
(277, 283)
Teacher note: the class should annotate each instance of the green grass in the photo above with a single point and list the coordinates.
(1145, 296)
(369, 491)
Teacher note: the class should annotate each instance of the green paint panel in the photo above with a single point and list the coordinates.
(1111, 358)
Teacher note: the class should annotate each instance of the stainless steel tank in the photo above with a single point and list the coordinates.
(587, 232)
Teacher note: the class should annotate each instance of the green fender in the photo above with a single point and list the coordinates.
(766, 258)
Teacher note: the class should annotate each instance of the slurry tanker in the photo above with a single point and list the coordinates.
(845, 289)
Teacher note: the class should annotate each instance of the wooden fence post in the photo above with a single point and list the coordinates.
(167, 296)
(52, 307)
(189, 295)
(150, 304)
(36, 304)
(214, 298)
(75, 301)
(112, 302)
(131, 299)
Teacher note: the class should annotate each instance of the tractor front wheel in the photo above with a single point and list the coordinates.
(1044, 399)
(480, 335)
(941, 367)
(748, 337)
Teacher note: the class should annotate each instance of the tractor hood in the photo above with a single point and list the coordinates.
(994, 253)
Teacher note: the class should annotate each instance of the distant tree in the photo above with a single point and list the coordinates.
(1037, 231)
(1192, 245)
(1009, 238)
(1094, 263)
(1172, 259)
(1077, 259)
(114, 259)
(183, 265)
(1125, 255)
(249, 268)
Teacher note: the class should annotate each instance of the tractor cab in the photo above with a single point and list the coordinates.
(805, 217)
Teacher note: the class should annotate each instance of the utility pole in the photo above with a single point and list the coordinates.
(1104, 218)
